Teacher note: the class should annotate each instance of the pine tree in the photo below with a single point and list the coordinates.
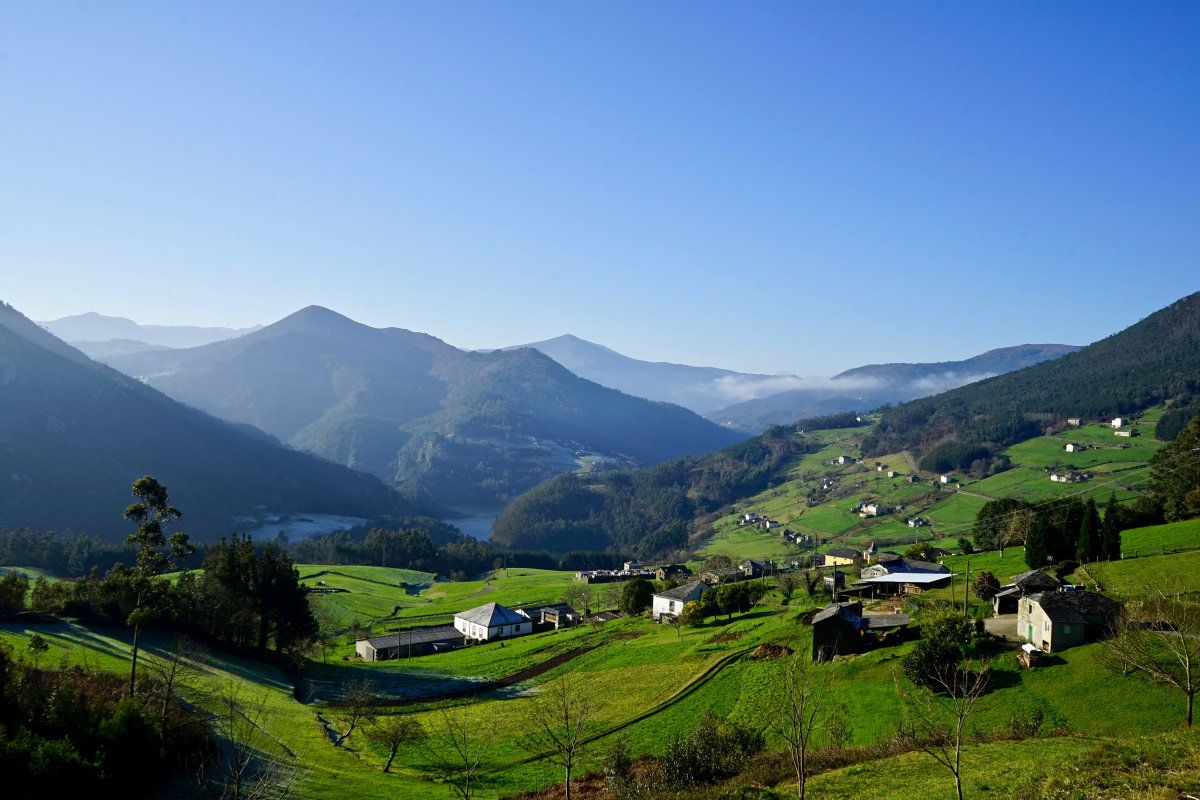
(1087, 548)
(1110, 534)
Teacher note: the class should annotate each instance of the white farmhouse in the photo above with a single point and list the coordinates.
(491, 621)
(1074, 422)
(1118, 422)
(1071, 447)
(947, 479)
(671, 602)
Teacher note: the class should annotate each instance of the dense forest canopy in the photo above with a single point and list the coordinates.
(1155, 360)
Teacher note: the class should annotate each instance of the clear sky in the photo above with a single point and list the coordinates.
(778, 187)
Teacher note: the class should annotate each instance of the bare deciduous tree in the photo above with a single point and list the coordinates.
(358, 704)
(1017, 531)
(1160, 637)
(392, 732)
(174, 670)
(561, 719)
(935, 721)
(800, 710)
(249, 765)
(457, 751)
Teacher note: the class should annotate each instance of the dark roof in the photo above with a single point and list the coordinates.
(843, 552)
(1035, 581)
(886, 556)
(850, 612)
(682, 592)
(491, 615)
(924, 566)
(535, 612)
(886, 620)
(1075, 606)
(440, 633)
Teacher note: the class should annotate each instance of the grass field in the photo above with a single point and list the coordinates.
(1129, 578)
(1159, 538)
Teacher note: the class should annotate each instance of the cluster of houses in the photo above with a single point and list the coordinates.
(629, 571)
(485, 623)
(843, 628)
(758, 521)
(1069, 477)
(669, 603)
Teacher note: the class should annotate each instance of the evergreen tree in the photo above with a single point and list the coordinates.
(1037, 549)
(1087, 547)
(1110, 533)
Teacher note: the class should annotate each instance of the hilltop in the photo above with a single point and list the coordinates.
(460, 427)
(75, 434)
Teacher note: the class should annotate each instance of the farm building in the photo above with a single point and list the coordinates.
(1054, 621)
(671, 602)
(946, 479)
(557, 615)
(672, 572)
(414, 642)
(891, 473)
(751, 568)
(916, 522)
(1074, 422)
(842, 557)
(869, 510)
(1019, 586)
(1126, 434)
(719, 575)
(843, 629)
(1071, 447)
(844, 460)
(1118, 422)
(491, 621)
(900, 575)
(835, 581)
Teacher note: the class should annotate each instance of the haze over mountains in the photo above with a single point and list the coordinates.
(102, 336)
(874, 385)
(702, 389)
(463, 428)
(75, 434)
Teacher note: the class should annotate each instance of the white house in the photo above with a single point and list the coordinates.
(844, 460)
(1126, 434)
(1118, 422)
(1074, 448)
(947, 479)
(491, 621)
(891, 473)
(671, 602)
(1074, 421)
(870, 510)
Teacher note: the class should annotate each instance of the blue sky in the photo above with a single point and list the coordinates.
(778, 187)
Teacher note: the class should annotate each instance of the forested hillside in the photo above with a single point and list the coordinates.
(650, 510)
(1155, 360)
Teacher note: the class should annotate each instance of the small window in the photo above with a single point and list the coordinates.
(1047, 625)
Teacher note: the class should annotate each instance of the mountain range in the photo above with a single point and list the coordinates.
(459, 427)
(75, 434)
(869, 387)
(702, 389)
(101, 336)
(652, 511)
